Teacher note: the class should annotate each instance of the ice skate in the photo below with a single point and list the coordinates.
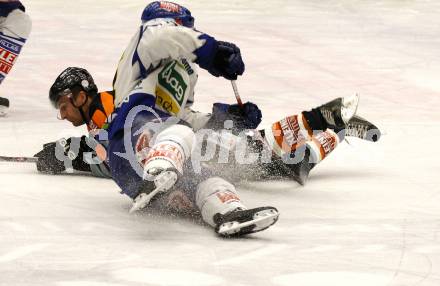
(340, 115)
(363, 129)
(241, 222)
(4, 106)
(298, 172)
(302, 170)
(338, 112)
(163, 164)
(161, 182)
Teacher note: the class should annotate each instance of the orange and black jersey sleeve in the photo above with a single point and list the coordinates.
(101, 109)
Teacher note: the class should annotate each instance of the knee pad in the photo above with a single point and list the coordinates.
(179, 134)
(171, 148)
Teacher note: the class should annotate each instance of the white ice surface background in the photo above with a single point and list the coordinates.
(369, 215)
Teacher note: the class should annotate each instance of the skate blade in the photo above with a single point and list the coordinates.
(164, 182)
(349, 107)
(261, 220)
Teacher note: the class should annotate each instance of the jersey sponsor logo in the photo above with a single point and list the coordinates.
(171, 7)
(187, 66)
(171, 79)
(166, 102)
(171, 87)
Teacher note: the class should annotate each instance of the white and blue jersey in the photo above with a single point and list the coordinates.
(158, 70)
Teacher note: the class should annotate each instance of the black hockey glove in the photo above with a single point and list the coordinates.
(246, 117)
(56, 156)
(227, 61)
(47, 162)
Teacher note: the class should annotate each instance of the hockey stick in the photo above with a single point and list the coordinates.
(237, 95)
(18, 159)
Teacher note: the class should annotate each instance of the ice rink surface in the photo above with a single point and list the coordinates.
(369, 215)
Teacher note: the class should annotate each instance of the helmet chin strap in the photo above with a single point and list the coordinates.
(81, 111)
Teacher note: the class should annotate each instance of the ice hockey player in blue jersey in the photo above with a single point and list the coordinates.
(153, 147)
(155, 80)
(15, 27)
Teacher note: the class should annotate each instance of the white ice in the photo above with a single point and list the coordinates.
(368, 216)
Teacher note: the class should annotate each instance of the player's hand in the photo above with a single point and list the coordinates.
(227, 61)
(247, 116)
(250, 113)
(47, 162)
(55, 156)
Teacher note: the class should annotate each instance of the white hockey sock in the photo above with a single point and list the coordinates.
(216, 195)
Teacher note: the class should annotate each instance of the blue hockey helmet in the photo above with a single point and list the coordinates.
(165, 9)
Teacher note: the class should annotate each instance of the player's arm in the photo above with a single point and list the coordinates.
(83, 154)
(162, 41)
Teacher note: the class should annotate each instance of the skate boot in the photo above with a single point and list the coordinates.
(158, 181)
(163, 162)
(340, 116)
(245, 221)
(338, 112)
(298, 172)
(302, 170)
(4, 106)
(363, 129)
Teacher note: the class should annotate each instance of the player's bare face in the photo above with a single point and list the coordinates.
(68, 111)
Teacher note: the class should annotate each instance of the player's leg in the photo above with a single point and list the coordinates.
(145, 164)
(299, 142)
(221, 208)
(163, 164)
(15, 27)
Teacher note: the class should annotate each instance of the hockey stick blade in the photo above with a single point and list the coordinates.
(18, 159)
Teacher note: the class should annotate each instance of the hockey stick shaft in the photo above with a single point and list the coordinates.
(18, 159)
(237, 95)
